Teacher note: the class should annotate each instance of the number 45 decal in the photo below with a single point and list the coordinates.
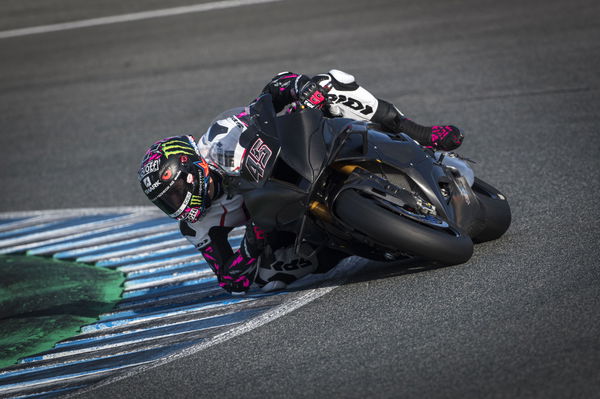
(257, 159)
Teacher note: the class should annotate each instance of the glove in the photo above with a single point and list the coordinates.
(311, 95)
(446, 138)
(237, 276)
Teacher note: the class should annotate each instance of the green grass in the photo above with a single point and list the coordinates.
(43, 301)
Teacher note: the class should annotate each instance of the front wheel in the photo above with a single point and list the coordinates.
(495, 212)
(393, 230)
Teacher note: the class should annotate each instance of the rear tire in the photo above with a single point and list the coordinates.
(495, 212)
(447, 246)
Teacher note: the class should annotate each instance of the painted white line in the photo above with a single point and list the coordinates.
(339, 274)
(29, 221)
(147, 249)
(151, 271)
(117, 261)
(73, 228)
(175, 260)
(77, 248)
(166, 280)
(105, 324)
(101, 347)
(150, 302)
(132, 332)
(216, 5)
(11, 389)
(73, 212)
(270, 315)
(43, 246)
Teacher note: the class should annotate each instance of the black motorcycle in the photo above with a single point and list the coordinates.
(347, 186)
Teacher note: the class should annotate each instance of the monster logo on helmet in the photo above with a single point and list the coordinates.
(175, 178)
(175, 146)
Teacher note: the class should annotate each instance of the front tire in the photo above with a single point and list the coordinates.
(495, 212)
(447, 246)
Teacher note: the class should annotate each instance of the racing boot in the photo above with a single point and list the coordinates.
(443, 138)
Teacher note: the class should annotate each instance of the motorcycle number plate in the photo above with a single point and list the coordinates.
(259, 158)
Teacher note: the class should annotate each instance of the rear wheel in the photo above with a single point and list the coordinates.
(495, 212)
(393, 230)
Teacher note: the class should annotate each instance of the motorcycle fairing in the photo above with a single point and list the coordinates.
(304, 143)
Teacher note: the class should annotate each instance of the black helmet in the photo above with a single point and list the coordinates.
(175, 177)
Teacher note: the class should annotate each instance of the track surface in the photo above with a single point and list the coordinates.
(520, 319)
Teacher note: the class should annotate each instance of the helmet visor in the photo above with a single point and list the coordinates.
(175, 197)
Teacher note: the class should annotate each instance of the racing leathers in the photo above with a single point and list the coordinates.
(271, 261)
(347, 99)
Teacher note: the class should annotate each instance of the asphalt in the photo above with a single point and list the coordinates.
(521, 319)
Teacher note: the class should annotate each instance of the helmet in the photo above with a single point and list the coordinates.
(175, 178)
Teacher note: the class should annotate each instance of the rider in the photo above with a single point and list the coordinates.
(187, 180)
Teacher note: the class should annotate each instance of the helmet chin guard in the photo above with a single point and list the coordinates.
(175, 178)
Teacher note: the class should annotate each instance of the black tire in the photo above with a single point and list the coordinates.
(401, 233)
(495, 212)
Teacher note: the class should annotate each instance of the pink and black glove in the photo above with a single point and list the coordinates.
(311, 95)
(236, 271)
(238, 275)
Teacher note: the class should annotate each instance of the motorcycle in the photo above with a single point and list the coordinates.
(348, 186)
